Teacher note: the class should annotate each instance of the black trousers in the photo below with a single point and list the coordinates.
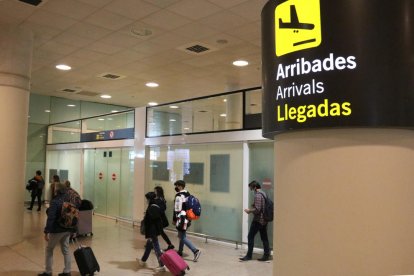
(38, 194)
(262, 229)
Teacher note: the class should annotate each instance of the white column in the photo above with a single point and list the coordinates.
(15, 64)
(139, 165)
(344, 202)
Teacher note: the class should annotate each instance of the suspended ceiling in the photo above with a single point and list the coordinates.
(140, 41)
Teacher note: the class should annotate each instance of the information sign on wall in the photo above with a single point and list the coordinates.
(342, 63)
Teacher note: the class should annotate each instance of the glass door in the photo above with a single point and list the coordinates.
(261, 169)
(108, 180)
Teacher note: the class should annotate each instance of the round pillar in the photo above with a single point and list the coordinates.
(344, 202)
(15, 55)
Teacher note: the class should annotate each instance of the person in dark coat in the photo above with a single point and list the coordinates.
(153, 228)
(56, 234)
(159, 192)
(37, 189)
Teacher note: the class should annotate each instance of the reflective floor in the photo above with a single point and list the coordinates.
(116, 246)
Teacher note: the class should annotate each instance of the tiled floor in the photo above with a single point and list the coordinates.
(116, 246)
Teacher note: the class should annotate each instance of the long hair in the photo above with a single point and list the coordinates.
(159, 191)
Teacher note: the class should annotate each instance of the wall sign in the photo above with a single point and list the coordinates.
(126, 133)
(343, 63)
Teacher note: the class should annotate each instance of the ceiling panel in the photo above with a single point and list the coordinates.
(141, 40)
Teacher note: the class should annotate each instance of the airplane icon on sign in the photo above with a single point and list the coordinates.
(292, 34)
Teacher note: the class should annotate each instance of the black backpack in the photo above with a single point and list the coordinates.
(268, 208)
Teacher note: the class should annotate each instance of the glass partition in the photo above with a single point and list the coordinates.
(253, 109)
(106, 127)
(212, 174)
(210, 114)
(65, 133)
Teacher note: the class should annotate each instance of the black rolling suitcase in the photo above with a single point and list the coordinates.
(86, 261)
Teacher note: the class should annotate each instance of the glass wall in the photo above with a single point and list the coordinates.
(106, 127)
(108, 180)
(212, 173)
(216, 113)
(261, 169)
(44, 110)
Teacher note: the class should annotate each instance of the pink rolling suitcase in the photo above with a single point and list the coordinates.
(175, 264)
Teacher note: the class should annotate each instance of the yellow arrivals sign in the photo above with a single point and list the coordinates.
(298, 26)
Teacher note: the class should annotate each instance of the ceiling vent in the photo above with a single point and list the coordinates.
(197, 48)
(71, 90)
(31, 2)
(111, 76)
(88, 93)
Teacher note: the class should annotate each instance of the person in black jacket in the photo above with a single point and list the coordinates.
(37, 189)
(159, 192)
(55, 234)
(153, 228)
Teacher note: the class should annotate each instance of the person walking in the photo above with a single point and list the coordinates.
(153, 228)
(258, 224)
(159, 192)
(55, 234)
(37, 190)
(180, 219)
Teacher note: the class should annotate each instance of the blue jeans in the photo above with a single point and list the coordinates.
(254, 228)
(152, 243)
(182, 236)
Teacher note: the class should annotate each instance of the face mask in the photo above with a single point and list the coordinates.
(176, 189)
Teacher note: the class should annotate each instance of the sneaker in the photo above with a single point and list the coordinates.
(245, 258)
(197, 254)
(141, 262)
(160, 269)
(64, 274)
(264, 259)
(44, 274)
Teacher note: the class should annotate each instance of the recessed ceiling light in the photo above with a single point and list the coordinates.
(152, 103)
(152, 84)
(113, 111)
(101, 119)
(109, 119)
(63, 67)
(224, 100)
(71, 105)
(106, 96)
(173, 106)
(240, 63)
(173, 120)
(223, 115)
(47, 110)
(186, 128)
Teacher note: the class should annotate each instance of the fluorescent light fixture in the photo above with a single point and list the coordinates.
(152, 84)
(223, 115)
(106, 96)
(173, 106)
(47, 111)
(186, 128)
(240, 63)
(63, 67)
(173, 120)
(71, 105)
(113, 111)
(101, 119)
(152, 103)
